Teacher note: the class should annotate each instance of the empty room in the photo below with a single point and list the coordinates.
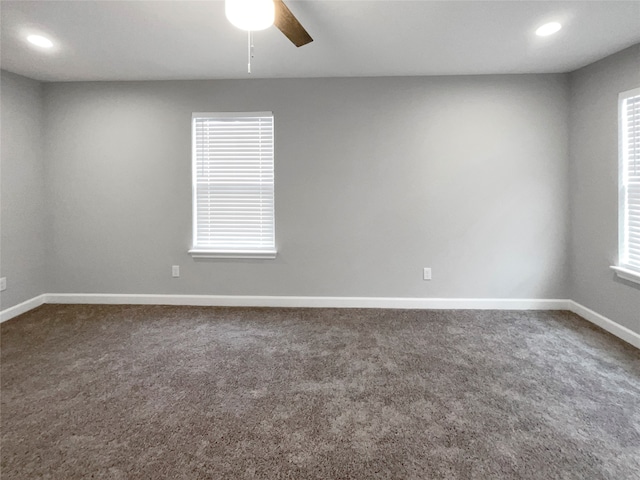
(320, 239)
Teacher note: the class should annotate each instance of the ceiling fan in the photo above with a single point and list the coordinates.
(288, 24)
(252, 15)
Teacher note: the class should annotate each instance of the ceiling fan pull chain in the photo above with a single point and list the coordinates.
(249, 51)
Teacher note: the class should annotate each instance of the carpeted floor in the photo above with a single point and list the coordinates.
(197, 392)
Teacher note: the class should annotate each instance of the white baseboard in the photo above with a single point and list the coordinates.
(24, 307)
(288, 301)
(610, 326)
(315, 302)
(329, 302)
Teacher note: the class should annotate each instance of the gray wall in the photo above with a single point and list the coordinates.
(594, 187)
(375, 179)
(23, 220)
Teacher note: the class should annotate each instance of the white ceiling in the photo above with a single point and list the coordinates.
(148, 40)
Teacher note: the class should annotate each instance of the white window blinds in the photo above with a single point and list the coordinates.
(233, 185)
(630, 180)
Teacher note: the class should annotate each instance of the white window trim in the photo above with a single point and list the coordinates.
(259, 254)
(626, 274)
(198, 251)
(622, 270)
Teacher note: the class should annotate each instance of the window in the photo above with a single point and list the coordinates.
(233, 185)
(629, 128)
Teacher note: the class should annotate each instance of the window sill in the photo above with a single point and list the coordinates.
(627, 274)
(264, 254)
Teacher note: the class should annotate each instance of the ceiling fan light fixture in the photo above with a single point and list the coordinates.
(250, 15)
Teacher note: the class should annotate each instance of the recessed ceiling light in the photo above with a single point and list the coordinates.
(548, 29)
(40, 41)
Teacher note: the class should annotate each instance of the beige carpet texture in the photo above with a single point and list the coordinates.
(158, 392)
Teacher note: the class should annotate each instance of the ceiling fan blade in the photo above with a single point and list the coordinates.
(288, 24)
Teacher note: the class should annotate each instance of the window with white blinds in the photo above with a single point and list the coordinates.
(233, 185)
(630, 181)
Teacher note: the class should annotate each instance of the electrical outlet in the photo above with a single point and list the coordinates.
(426, 273)
(3, 284)
(175, 271)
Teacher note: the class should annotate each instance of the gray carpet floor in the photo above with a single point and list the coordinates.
(157, 392)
